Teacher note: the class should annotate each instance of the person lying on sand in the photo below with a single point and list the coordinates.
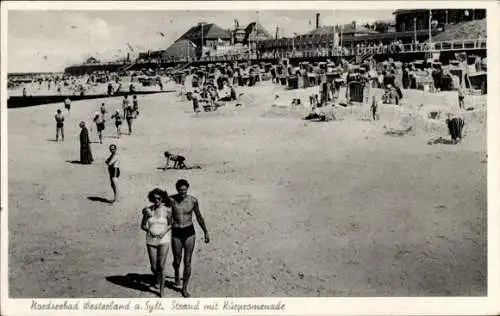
(396, 132)
(177, 159)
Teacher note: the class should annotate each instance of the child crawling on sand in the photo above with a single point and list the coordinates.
(177, 159)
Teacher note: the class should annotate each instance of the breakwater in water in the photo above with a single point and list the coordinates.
(21, 101)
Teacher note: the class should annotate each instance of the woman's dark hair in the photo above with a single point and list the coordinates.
(161, 193)
(181, 183)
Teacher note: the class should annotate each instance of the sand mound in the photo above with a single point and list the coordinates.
(465, 30)
(284, 111)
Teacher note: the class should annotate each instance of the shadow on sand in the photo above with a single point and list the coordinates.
(140, 282)
(99, 199)
(52, 140)
(398, 133)
(75, 162)
(442, 140)
(172, 168)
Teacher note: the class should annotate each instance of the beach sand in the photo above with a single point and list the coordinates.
(293, 208)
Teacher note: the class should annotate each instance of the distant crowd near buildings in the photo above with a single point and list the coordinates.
(411, 29)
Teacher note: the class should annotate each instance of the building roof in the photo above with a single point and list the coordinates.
(211, 31)
(402, 11)
(180, 49)
(346, 29)
(255, 31)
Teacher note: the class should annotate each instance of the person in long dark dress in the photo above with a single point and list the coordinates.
(85, 152)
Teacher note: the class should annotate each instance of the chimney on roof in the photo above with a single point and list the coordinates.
(317, 20)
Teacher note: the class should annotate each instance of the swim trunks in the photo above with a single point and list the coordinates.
(114, 172)
(100, 127)
(183, 233)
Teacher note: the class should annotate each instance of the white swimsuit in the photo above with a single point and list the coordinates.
(158, 223)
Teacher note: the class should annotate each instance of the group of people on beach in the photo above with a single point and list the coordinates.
(129, 113)
(169, 221)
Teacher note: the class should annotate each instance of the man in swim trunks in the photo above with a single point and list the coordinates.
(59, 125)
(113, 162)
(183, 234)
(99, 122)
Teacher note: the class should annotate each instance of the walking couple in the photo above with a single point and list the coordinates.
(169, 220)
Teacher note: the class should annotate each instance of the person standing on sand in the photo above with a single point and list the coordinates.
(85, 152)
(135, 106)
(129, 116)
(99, 122)
(183, 233)
(157, 223)
(374, 107)
(59, 125)
(196, 96)
(103, 111)
(125, 104)
(461, 96)
(113, 163)
(67, 104)
(118, 122)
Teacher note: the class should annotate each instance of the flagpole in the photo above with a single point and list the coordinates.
(430, 27)
(341, 39)
(256, 35)
(201, 39)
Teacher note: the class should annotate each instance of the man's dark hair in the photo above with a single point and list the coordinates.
(180, 183)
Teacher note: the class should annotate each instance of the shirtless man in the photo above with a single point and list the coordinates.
(99, 122)
(59, 125)
(183, 234)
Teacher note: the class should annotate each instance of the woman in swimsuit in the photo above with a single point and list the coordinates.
(156, 222)
(113, 163)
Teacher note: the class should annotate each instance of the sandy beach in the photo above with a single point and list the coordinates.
(293, 208)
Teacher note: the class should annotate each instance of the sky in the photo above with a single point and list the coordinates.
(48, 41)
